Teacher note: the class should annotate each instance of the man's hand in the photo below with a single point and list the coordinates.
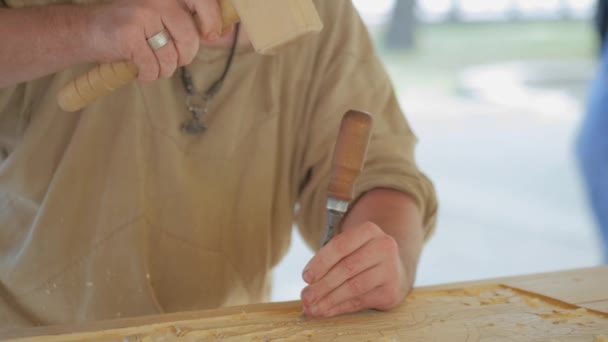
(359, 269)
(372, 263)
(121, 29)
(48, 39)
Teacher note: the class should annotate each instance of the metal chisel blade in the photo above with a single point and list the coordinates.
(334, 217)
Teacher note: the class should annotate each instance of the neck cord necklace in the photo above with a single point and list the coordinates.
(199, 107)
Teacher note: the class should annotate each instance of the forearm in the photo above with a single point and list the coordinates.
(398, 216)
(42, 40)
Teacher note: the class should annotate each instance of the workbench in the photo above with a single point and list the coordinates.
(561, 306)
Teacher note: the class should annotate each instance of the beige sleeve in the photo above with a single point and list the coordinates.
(352, 77)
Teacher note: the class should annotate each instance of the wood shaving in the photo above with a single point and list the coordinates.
(504, 292)
(533, 302)
(470, 302)
(180, 332)
(494, 301)
(601, 338)
(487, 294)
(309, 333)
(514, 299)
(242, 316)
(471, 292)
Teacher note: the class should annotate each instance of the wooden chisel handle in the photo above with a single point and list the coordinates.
(349, 154)
(105, 78)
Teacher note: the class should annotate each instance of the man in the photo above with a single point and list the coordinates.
(592, 145)
(119, 211)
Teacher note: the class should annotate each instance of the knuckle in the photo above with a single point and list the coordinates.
(322, 288)
(166, 56)
(327, 304)
(389, 244)
(371, 228)
(187, 52)
(322, 263)
(148, 70)
(356, 286)
(190, 39)
(393, 296)
(187, 59)
(341, 245)
(349, 267)
(127, 36)
(355, 304)
(168, 61)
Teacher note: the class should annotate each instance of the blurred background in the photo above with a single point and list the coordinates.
(495, 91)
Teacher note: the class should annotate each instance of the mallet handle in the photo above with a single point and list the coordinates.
(105, 78)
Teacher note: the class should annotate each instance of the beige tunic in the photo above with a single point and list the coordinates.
(114, 212)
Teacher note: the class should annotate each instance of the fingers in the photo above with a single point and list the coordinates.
(166, 56)
(350, 291)
(354, 265)
(186, 25)
(184, 34)
(375, 299)
(338, 248)
(360, 268)
(136, 21)
(145, 59)
(209, 16)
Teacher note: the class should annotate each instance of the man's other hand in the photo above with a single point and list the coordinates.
(121, 29)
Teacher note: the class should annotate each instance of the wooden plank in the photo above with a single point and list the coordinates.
(599, 306)
(463, 312)
(579, 287)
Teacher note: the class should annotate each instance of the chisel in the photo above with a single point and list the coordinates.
(349, 155)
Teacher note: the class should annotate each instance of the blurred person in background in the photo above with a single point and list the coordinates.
(592, 144)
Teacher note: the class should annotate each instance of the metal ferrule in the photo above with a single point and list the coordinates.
(335, 213)
(337, 205)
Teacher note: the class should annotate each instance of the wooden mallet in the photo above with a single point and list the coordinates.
(270, 25)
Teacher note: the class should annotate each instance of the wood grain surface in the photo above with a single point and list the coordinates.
(562, 306)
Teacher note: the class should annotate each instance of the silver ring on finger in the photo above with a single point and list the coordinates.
(159, 40)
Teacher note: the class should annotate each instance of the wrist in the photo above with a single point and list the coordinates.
(75, 30)
(81, 22)
(398, 215)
